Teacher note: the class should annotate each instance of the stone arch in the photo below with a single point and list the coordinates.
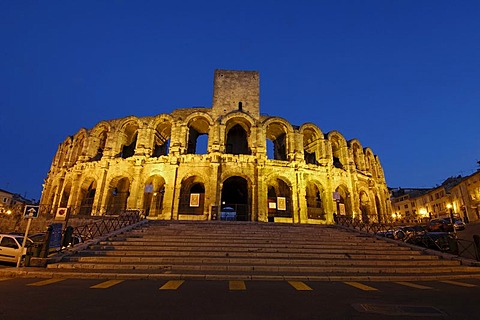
(371, 162)
(198, 125)
(192, 196)
(63, 152)
(238, 131)
(153, 195)
(315, 198)
(236, 193)
(87, 196)
(65, 197)
(312, 136)
(117, 195)
(358, 156)
(343, 203)
(378, 208)
(98, 140)
(278, 131)
(339, 149)
(162, 136)
(279, 195)
(128, 135)
(78, 145)
(365, 206)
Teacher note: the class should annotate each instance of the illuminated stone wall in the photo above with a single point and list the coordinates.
(262, 166)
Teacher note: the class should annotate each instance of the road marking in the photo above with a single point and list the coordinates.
(412, 285)
(461, 284)
(361, 286)
(106, 284)
(46, 282)
(236, 285)
(300, 286)
(4, 279)
(172, 285)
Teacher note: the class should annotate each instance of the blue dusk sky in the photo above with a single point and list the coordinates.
(401, 76)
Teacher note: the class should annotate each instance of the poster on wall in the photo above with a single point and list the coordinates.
(341, 208)
(194, 199)
(282, 203)
(272, 205)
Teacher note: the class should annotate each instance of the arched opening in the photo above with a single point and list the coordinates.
(192, 196)
(118, 194)
(102, 141)
(277, 134)
(198, 127)
(161, 139)
(364, 207)
(130, 140)
(279, 200)
(237, 140)
(336, 154)
(310, 145)
(154, 192)
(235, 195)
(315, 208)
(342, 199)
(77, 149)
(358, 157)
(379, 209)
(88, 196)
(65, 195)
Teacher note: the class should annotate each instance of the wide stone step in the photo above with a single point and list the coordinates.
(412, 255)
(261, 261)
(261, 269)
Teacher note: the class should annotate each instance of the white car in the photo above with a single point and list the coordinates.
(10, 247)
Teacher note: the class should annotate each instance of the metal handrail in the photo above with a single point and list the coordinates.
(106, 225)
(453, 245)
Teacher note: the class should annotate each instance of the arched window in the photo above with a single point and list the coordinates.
(277, 134)
(198, 130)
(237, 140)
(161, 140)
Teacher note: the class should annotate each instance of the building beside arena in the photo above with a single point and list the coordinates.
(263, 167)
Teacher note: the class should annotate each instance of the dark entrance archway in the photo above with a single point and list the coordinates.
(235, 195)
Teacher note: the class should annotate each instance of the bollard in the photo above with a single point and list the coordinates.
(46, 243)
(67, 237)
(476, 240)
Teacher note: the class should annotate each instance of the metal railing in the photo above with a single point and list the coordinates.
(444, 242)
(106, 224)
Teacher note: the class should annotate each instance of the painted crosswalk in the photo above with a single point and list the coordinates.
(235, 285)
(46, 282)
(106, 284)
(413, 285)
(239, 285)
(360, 286)
(172, 285)
(300, 286)
(460, 284)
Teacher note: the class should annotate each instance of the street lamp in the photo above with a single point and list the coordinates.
(450, 208)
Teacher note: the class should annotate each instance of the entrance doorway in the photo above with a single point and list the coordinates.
(235, 195)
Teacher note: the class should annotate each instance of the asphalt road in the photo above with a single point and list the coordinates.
(28, 298)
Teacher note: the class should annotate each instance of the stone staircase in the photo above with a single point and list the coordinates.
(255, 251)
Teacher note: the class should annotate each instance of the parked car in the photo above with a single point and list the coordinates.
(402, 233)
(439, 225)
(458, 224)
(228, 214)
(10, 247)
(442, 241)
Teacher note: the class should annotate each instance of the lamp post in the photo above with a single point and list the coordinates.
(450, 208)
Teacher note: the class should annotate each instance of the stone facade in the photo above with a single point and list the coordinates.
(264, 167)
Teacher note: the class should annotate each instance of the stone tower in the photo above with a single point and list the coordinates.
(236, 91)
